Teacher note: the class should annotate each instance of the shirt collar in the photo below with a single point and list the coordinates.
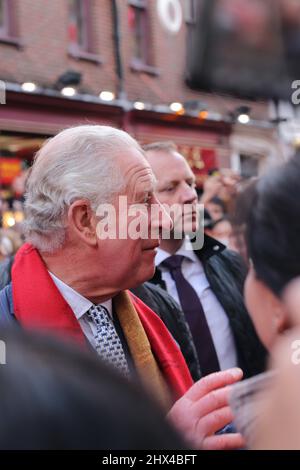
(185, 250)
(79, 304)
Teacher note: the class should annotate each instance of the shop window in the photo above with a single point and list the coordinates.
(3, 20)
(7, 22)
(190, 17)
(249, 166)
(190, 11)
(139, 25)
(80, 30)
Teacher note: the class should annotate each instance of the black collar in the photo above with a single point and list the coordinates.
(211, 247)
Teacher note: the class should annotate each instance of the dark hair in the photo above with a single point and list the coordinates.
(218, 202)
(54, 396)
(208, 221)
(211, 171)
(272, 218)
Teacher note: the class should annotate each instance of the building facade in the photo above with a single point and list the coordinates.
(130, 52)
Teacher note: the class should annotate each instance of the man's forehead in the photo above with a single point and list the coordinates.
(147, 180)
(142, 185)
(162, 158)
(138, 174)
(173, 170)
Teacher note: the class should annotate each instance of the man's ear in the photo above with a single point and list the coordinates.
(81, 219)
(280, 317)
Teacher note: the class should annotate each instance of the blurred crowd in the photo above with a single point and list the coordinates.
(218, 197)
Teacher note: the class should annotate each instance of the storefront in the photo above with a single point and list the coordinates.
(17, 150)
(27, 120)
(255, 150)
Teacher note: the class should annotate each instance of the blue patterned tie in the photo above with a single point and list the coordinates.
(108, 344)
(195, 316)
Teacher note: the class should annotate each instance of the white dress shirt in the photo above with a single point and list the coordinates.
(216, 317)
(80, 306)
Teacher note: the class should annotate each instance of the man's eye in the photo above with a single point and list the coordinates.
(169, 189)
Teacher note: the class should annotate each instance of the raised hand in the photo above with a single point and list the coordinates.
(204, 410)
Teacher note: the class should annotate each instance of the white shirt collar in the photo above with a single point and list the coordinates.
(79, 304)
(185, 250)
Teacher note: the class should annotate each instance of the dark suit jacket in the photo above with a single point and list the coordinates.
(226, 273)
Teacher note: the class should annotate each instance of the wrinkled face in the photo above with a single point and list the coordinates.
(129, 256)
(266, 310)
(176, 187)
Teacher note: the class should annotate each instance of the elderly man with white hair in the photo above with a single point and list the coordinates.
(71, 281)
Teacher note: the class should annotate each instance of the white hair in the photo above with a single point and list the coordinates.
(78, 163)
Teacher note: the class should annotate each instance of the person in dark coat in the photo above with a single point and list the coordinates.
(207, 280)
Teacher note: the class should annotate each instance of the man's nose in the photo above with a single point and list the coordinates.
(188, 194)
(160, 217)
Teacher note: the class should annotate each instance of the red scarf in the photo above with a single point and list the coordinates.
(38, 304)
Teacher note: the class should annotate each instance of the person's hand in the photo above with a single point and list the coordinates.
(203, 410)
(224, 185)
(230, 181)
(211, 188)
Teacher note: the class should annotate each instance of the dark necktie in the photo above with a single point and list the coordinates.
(195, 316)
